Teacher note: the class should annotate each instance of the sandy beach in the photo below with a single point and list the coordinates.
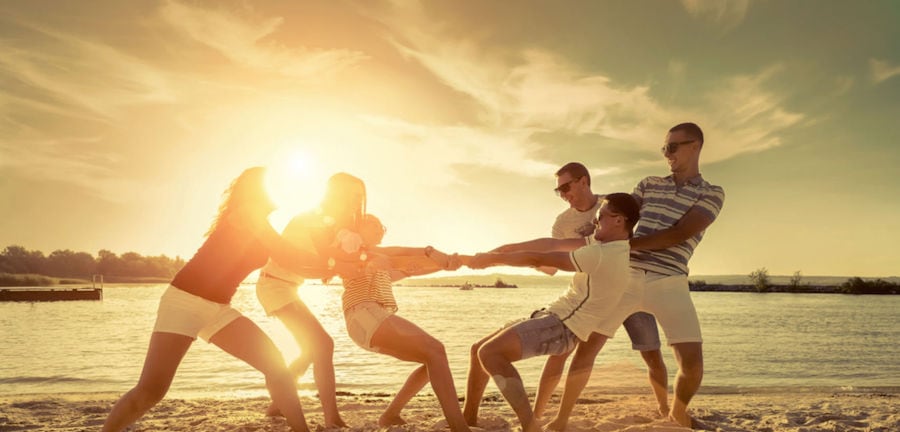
(801, 412)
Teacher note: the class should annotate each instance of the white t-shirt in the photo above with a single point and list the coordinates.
(602, 272)
(572, 223)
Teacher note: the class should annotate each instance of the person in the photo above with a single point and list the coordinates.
(342, 206)
(574, 186)
(197, 303)
(579, 315)
(372, 323)
(675, 212)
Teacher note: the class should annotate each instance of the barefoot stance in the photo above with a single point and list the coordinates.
(685, 420)
(557, 425)
(385, 421)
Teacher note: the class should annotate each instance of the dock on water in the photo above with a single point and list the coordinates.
(42, 294)
(50, 294)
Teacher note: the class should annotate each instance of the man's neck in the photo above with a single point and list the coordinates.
(613, 237)
(682, 176)
(588, 203)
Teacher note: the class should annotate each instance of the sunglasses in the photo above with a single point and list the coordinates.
(672, 147)
(564, 188)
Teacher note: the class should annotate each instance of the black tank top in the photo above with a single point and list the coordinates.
(224, 260)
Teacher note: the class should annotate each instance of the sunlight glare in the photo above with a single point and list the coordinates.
(294, 184)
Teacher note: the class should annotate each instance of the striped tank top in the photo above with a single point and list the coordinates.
(373, 287)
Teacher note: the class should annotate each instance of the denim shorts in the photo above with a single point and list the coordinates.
(642, 330)
(544, 334)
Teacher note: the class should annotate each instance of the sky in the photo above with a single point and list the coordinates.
(121, 123)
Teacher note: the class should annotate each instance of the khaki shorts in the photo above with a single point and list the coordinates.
(543, 334)
(363, 320)
(185, 314)
(667, 297)
(274, 293)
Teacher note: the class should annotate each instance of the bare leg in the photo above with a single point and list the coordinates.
(579, 374)
(316, 347)
(659, 379)
(497, 356)
(476, 382)
(550, 376)
(404, 340)
(690, 374)
(416, 380)
(244, 340)
(163, 357)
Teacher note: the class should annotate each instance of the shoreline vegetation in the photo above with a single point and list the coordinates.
(853, 285)
(20, 267)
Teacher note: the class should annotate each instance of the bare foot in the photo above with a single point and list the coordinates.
(686, 420)
(273, 411)
(557, 425)
(339, 423)
(392, 420)
(663, 411)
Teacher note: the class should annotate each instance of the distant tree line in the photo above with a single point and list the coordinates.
(69, 264)
(761, 282)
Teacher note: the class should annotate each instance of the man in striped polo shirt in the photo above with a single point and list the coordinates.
(675, 212)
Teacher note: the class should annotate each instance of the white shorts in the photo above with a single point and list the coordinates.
(185, 314)
(363, 320)
(667, 297)
(274, 293)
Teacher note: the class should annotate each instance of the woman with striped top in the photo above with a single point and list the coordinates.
(370, 314)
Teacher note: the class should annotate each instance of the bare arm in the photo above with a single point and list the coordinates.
(559, 260)
(545, 244)
(693, 222)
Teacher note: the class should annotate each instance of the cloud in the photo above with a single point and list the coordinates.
(744, 116)
(726, 14)
(533, 90)
(245, 40)
(882, 70)
(63, 74)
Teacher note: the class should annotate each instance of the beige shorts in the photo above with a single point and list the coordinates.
(185, 314)
(274, 293)
(667, 297)
(363, 320)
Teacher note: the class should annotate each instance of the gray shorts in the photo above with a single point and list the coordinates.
(543, 334)
(642, 330)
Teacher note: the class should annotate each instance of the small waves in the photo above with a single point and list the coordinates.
(45, 380)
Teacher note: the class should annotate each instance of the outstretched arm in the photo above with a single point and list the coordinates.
(412, 261)
(543, 245)
(559, 260)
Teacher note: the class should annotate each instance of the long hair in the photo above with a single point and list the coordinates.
(345, 199)
(246, 192)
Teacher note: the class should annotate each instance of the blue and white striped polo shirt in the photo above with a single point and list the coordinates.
(662, 205)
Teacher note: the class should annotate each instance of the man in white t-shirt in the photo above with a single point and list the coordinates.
(574, 186)
(583, 312)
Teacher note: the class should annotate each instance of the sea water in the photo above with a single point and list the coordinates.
(752, 342)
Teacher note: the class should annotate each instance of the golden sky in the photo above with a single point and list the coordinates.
(122, 122)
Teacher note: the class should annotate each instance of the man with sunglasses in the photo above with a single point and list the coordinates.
(574, 186)
(675, 212)
(584, 313)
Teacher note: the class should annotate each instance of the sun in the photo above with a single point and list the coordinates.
(294, 184)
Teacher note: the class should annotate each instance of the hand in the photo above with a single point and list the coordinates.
(453, 262)
(350, 269)
(480, 261)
